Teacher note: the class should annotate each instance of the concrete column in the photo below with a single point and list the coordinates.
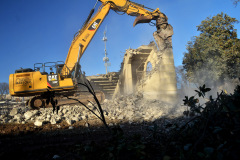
(162, 84)
(167, 77)
(128, 85)
(168, 86)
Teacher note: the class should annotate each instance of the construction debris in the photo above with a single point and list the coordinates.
(135, 107)
(131, 108)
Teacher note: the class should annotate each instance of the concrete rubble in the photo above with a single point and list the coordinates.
(127, 109)
(135, 108)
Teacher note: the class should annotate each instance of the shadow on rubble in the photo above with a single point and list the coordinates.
(209, 131)
(134, 141)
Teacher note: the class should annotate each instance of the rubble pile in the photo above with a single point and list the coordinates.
(70, 114)
(132, 108)
(135, 108)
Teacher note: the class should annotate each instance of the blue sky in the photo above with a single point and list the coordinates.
(37, 31)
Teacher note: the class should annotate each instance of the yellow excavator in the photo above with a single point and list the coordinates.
(63, 77)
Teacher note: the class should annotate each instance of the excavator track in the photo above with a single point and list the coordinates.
(38, 102)
(83, 97)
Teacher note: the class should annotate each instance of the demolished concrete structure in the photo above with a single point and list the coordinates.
(148, 69)
(105, 83)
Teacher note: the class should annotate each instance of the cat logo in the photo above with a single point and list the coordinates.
(52, 77)
(53, 80)
(94, 25)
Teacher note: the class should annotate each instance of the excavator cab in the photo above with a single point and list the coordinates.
(27, 82)
(50, 69)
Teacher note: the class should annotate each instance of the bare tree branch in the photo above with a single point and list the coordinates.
(3, 89)
(235, 2)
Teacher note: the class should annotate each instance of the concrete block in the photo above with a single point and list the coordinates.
(13, 112)
(38, 123)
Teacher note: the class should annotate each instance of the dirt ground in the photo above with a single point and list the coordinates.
(30, 142)
(52, 141)
(20, 129)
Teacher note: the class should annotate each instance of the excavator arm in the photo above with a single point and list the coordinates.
(134, 9)
(82, 39)
(85, 35)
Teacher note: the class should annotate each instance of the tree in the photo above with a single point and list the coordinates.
(235, 2)
(3, 89)
(214, 55)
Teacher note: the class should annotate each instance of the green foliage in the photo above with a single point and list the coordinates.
(193, 102)
(202, 91)
(215, 53)
(214, 133)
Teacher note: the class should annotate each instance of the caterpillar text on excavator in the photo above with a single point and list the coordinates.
(63, 77)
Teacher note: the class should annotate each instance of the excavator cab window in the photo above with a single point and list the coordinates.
(38, 67)
(59, 66)
(51, 70)
(50, 67)
(47, 68)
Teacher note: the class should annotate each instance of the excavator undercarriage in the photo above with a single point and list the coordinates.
(84, 97)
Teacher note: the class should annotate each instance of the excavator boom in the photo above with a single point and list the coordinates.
(83, 38)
